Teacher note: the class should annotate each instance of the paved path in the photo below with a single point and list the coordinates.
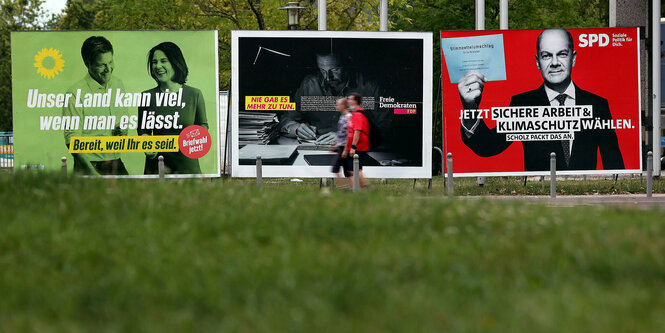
(628, 200)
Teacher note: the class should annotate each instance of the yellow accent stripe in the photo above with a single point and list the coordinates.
(123, 144)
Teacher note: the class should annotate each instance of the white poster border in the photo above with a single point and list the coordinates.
(423, 171)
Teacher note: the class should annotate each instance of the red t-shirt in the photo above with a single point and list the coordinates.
(358, 122)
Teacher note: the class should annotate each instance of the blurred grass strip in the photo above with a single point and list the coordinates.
(104, 255)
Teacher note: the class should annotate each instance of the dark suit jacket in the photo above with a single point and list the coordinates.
(487, 142)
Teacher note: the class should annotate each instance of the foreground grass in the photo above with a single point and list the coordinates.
(200, 255)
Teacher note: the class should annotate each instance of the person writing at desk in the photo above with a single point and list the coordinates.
(555, 58)
(331, 79)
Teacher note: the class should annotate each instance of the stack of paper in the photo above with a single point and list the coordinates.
(312, 145)
(271, 155)
(257, 128)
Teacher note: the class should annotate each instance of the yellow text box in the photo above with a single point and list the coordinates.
(269, 103)
(123, 144)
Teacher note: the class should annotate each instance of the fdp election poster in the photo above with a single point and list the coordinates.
(511, 98)
(285, 88)
(113, 102)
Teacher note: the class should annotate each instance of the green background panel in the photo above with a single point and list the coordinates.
(33, 146)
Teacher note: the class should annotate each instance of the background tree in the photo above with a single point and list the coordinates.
(17, 15)
(226, 15)
(221, 15)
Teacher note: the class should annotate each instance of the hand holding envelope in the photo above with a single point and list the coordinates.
(471, 62)
(470, 88)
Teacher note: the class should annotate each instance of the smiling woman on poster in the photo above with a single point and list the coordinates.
(168, 68)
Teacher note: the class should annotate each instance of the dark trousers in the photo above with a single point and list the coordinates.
(111, 167)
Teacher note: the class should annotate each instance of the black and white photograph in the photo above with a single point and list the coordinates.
(288, 84)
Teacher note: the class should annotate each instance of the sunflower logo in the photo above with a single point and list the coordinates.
(49, 62)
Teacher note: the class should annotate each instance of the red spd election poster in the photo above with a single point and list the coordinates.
(513, 97)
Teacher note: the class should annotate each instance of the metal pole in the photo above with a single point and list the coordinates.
(649, 174)
(480, 14)
(160, 166)
(503, 14)
(259, 171)
(655, 83)
(451, 190)
(613, 13)
(383, 16)
(552, 175)
(442, 164)
(356, 175)
(481, 181)
(63, 166)
(322, 6)
(480, 25)
(442, 160)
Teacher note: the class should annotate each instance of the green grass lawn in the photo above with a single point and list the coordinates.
(99, 255)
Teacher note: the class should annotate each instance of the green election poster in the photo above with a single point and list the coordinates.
(116, 103)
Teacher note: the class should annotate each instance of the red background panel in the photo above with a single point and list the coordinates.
(611, 72)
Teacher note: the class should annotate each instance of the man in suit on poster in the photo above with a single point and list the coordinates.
(555, 58)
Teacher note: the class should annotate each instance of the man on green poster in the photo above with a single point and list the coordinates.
(97, 53)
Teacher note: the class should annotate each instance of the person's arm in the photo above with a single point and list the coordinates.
(608, 143)
(119, 113)
(475, 134)
(200, 118)
(139, 129)
(354, 128)
(326, 139)
(294, 124)
(470, 88)
(142, 131)
(82, 161)
(356, 138)
(349, 138)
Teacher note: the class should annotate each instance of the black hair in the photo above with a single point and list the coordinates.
(176, 59)
(357, 97)
(94, 46)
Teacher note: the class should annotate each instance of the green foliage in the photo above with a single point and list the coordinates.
(99, 255)
(79, 15)
(227, 15)
(221, 15)
(16, 15)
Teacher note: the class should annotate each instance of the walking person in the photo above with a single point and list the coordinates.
(357, 140)
(340, 143)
